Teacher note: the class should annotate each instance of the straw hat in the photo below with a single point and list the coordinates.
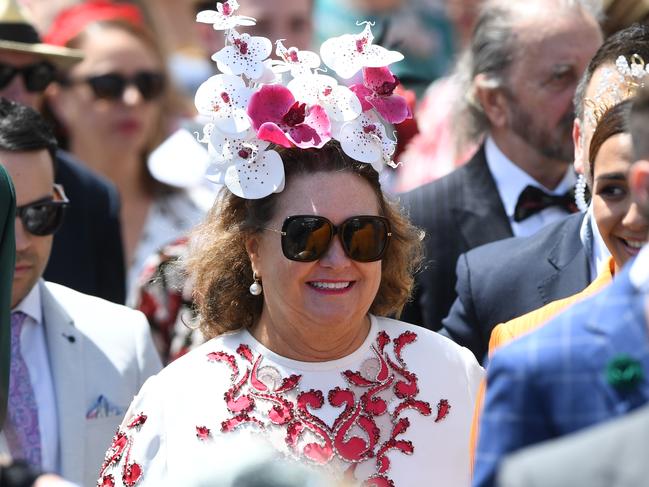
(18, 35)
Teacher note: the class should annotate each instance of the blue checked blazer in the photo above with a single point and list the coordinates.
(553, 382)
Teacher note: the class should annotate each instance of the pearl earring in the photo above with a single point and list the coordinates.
(255, 287)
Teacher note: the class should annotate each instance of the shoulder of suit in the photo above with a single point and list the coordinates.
(79, 304)
(496, 254)
(83, 176)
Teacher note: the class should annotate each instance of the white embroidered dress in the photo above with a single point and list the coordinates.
(397, 411)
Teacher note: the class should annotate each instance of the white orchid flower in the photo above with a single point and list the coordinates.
(223, 18)
(340, 103)
(348, 53)
(224, 99)
(245, 55)
(244, 165)
(294, 60)
(366, 140)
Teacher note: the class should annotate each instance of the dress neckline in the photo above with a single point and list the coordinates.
(330, 365)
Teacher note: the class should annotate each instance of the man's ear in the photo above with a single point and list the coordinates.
(639, 184)
(493, 101)
(578, 142)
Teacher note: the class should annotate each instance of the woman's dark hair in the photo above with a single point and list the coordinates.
(220, 268)
(23, 129)
(615, 120)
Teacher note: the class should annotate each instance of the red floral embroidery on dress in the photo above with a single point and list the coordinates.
(203, 432)
(359, 409)
(443, 408)
(121, 448)
(106, 481)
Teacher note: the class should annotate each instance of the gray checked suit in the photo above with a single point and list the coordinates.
(613, 454)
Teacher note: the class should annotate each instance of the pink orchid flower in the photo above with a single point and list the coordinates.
(377, 91)
(278, 117)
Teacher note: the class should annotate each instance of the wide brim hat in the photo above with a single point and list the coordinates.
(17, 34)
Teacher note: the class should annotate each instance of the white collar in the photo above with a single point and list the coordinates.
(511, 180)
(600, 252)
(31, 304)
(639, 272)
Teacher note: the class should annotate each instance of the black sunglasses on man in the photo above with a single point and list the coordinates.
(36, 76)
(45, 216)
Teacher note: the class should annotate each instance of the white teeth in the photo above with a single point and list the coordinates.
(636, 244)
(330, 285)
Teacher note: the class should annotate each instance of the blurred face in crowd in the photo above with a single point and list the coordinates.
(620, 222)
(16, 89)
(276, 19)
(334, 289)
(33, 177)
(551, 54)
(102, 104)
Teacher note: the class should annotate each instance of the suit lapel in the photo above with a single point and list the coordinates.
(618, 322)
(567, 258)
(65, 345)
(480, 212)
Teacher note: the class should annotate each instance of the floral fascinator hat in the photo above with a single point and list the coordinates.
(257, 101)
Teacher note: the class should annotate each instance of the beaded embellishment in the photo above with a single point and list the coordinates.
(384, 388)
(121, 448)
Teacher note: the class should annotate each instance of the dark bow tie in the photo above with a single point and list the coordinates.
(533, 199)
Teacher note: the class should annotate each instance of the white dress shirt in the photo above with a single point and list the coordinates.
(33, 346)
(596, 250)
(511, 180)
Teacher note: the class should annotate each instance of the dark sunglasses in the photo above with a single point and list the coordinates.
(111, 86)
(306, 238)
(44, 217)
(35, 76)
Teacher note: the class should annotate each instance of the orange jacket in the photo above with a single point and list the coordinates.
(507, 332)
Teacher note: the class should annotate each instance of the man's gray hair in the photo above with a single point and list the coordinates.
(492, 49)
(640, 125)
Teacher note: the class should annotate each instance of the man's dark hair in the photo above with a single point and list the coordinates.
(640, 125)
(627, 42)
(23, 129)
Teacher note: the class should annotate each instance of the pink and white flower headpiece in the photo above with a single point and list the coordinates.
(256, 101)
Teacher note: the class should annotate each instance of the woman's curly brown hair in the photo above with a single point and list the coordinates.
(220, 268)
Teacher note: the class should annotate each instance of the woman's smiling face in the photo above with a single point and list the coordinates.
(623, 228)
(333, 289)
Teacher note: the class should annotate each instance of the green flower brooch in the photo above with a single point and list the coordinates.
(624, 372)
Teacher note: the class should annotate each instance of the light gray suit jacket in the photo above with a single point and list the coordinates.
(613, 454)
(100, 354)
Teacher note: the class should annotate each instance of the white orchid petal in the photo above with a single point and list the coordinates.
(244, 56)
(225, 99)
(208, 16)
(268, 76)
(349, 53)
(342, 104)
(359, 145)
(256, 178)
